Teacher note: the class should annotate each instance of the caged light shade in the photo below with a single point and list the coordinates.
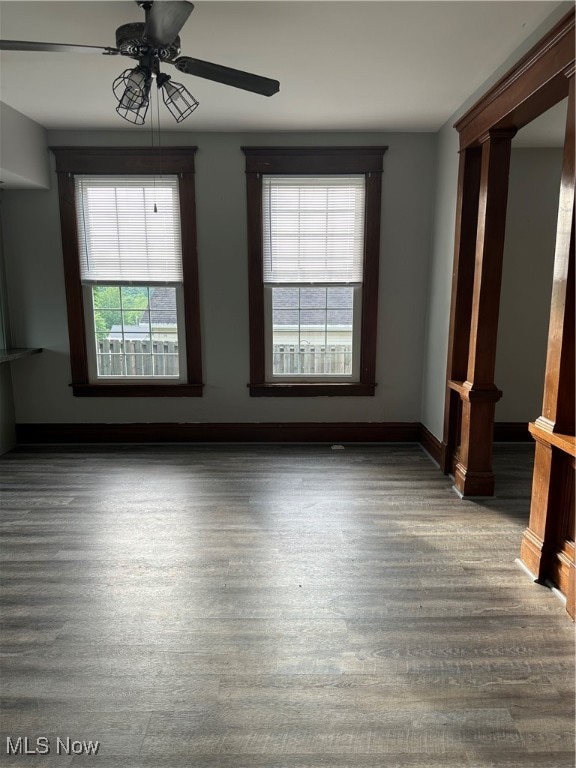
(132, 91)
(179, 101)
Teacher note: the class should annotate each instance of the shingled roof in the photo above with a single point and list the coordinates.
(287, 312)
(163, 306)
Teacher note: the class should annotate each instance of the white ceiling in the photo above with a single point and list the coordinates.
(342, 65)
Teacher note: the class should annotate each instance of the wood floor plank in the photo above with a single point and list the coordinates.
(282, 606)
(447, 760)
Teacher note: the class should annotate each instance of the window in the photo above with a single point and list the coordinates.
(313, 249)
(131, 270)
(131, 273)
(313, 229)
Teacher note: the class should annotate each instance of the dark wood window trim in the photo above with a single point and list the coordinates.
(123, 161)
(314, 160)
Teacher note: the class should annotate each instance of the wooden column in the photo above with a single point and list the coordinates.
(548, 543)
(462, 289)
(473, 472)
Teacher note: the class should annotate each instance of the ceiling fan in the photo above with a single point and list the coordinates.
(151, 42)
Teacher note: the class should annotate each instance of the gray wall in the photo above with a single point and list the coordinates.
(7, 434)
(23, 161)
(440, 285)
(438, 310)
(38, 309)
(527, 281)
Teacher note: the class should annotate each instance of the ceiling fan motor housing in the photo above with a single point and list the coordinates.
(131, 42)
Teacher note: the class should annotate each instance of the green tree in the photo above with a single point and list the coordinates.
(110, 311)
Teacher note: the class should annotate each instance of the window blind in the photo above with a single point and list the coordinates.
(313, 228)
(121, 238)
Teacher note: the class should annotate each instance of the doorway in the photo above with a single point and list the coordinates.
(527, 271)
(540, 80)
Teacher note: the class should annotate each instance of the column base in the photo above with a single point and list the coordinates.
(533, 554)
(547, 565)
(473, 484)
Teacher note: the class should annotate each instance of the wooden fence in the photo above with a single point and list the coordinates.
(117, 357)
(137, 358)
(334, 359)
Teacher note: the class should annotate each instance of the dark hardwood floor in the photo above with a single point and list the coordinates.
(278, 607)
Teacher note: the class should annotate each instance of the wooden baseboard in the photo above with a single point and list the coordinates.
(273, 432)
(286, 432)
(431, 444)
(512, 432)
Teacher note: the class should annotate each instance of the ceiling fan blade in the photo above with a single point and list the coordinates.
(227, 76)
(25, 45)
(164, 20)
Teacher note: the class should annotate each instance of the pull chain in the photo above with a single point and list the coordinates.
(159, 144)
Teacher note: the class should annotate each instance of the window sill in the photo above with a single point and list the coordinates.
(312, 390)
(137, 390)
(15, 353)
